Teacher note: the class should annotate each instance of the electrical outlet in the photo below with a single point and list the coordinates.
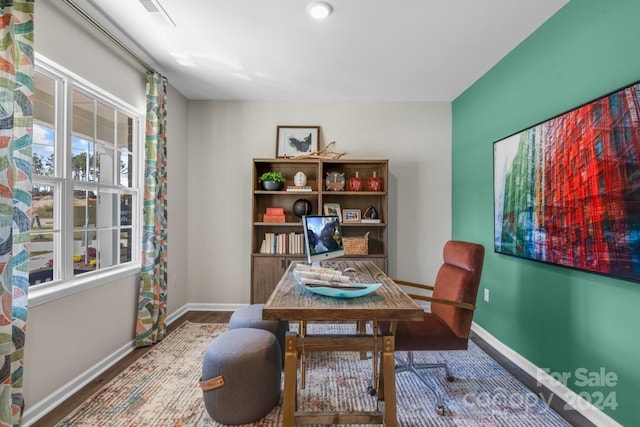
(486, 294)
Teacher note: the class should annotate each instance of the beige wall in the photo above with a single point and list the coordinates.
(177, 166)
(225, 136)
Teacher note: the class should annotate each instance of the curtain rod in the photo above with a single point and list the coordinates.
(110, 36)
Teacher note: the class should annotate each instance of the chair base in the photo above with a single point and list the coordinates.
(409, 365)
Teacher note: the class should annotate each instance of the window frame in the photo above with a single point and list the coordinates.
(65, 281)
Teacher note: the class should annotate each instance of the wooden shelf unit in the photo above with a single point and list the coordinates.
(266, 269)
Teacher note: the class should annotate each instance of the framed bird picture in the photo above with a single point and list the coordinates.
(294, 141)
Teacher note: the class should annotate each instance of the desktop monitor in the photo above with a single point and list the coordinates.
(322, 237)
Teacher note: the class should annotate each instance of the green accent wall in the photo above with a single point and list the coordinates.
(561, 319)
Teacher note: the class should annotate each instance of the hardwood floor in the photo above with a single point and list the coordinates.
(571, 416)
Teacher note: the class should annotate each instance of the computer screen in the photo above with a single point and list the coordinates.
(322, 237)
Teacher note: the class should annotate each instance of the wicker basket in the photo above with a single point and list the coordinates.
(356, 245)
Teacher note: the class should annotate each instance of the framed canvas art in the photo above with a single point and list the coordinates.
(567, 190)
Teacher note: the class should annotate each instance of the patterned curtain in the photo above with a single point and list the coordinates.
(16, 129)
(152, 310)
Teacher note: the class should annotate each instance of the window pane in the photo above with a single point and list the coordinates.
(126, 165)
(109, 250)
(44, 108)
(104, 164)
(83, 115)
(125, 245)
(125, 132)
(108, 215)
(82, 159)
(106, 126)
(84, 208)
(43, 235)
(126, 202)
(43, 152)
(42, 206)
(85, 246)
(125, 149)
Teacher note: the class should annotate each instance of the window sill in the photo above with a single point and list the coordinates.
(48, 293)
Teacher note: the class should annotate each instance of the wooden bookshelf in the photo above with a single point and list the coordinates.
(268, 268)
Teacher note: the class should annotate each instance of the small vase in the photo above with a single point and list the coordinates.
(374, 183)
(356, 183)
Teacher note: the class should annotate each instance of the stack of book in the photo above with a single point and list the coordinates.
(282, 243)
(274, 215)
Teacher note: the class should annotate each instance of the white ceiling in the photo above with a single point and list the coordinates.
(367, 50)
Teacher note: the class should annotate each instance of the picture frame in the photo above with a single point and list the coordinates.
(351, 215)
(565, 189)
(292, 141)
(333, 209)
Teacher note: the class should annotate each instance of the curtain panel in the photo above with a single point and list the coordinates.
(16, 130)
(151, 322)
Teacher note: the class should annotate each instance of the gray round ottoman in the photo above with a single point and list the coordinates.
(251, 317)
(241, 376)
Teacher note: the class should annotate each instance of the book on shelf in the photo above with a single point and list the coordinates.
(273, 218)
(274, 211)
(299, 188)
(370, 221)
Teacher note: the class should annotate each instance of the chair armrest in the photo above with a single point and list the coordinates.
(412, 284)
(459, 304)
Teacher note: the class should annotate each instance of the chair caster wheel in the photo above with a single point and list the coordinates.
(451, 378)
(440, 410)
(372, 391)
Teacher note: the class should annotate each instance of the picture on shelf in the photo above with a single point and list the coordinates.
(333, 209)
(294, 141)
(351, 215)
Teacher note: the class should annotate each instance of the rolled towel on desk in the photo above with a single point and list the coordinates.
(330, 284)
(329, 277)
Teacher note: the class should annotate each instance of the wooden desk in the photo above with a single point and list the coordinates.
(290, 301)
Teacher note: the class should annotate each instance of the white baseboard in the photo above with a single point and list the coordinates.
(577, 403)
(214, 307)
(40, 409)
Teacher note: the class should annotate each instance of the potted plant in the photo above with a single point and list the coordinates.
(272, 180)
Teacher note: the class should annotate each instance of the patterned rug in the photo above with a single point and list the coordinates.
(161, 388)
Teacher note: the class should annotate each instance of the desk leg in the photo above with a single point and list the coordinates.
(362, 330)
(387, 390)
(303, 356)
(290, 381)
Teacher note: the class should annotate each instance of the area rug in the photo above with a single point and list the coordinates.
(161, 388)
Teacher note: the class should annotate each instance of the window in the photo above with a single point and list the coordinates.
(602, 186)
(599, 152)
(596, 113)
(85, 166)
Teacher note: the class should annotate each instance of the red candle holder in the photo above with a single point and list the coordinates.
(356, 183)
(374, 183)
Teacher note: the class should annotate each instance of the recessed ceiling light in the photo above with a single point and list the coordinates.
(319, 9)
